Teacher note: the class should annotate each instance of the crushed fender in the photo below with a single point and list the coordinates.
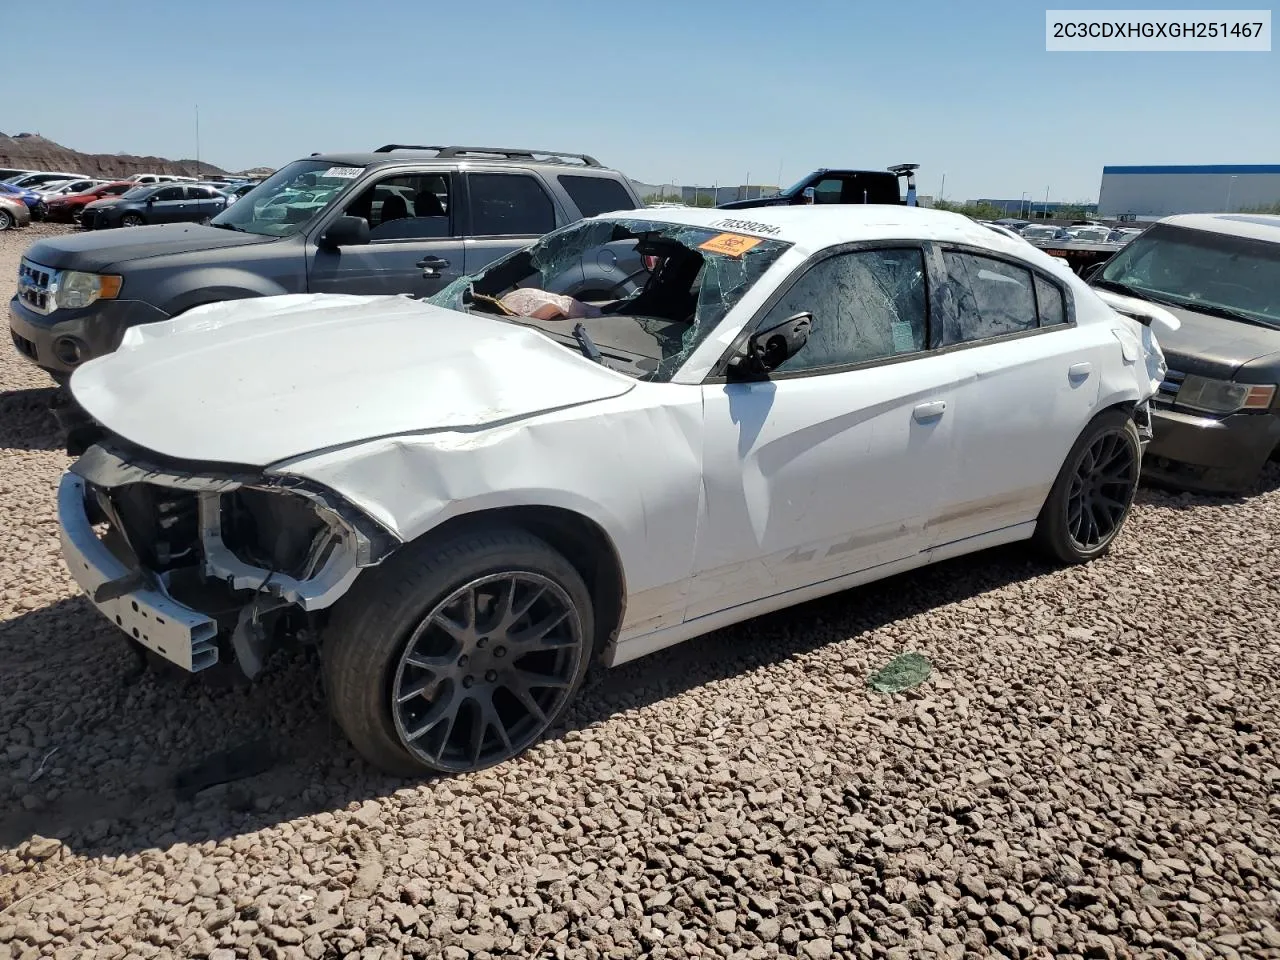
(902, 673)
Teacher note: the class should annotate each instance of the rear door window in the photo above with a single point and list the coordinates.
(509, 205)
(169, 193)
(596, 195)
(992, 298)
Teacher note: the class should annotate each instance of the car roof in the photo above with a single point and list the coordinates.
(812, 228)
(1256, 226)
(429, 158)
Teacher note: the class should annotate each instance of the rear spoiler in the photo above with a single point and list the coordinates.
(1144, 311)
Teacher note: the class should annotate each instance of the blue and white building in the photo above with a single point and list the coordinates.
(1150, 192)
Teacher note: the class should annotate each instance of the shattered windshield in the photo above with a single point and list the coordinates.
(645, 293)
(289, 199)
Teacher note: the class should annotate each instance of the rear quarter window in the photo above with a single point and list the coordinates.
(596, 195)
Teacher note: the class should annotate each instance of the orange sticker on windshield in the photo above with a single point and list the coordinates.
(730, 244)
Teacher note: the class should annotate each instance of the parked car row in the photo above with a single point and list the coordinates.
(492, 420)
(65, 197)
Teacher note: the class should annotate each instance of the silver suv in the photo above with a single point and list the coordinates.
(402, 219)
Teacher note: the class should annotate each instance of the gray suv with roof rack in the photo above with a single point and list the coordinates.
(403, 219)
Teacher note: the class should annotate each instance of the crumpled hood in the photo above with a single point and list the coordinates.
(254, 382)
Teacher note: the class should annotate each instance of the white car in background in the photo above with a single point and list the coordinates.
(471, 498)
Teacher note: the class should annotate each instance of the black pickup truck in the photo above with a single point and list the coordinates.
(842, 186)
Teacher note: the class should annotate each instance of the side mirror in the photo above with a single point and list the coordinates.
(810, 195)
(345, 232)
(768, 349)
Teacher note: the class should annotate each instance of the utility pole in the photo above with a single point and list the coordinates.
(1046, 204)
(197, 140)
(942, 190)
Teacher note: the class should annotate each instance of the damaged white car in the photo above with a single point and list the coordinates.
(467, 500)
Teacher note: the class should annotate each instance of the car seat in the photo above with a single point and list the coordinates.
(393, 208)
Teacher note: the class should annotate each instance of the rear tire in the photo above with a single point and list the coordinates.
(458, 654)
(6, 220)
(1092, 496)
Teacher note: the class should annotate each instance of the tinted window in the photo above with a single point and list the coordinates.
(596, 195)
(827, 191)
(991, 298)
(866, 305)
(509, 204)
(1053, 307)
(169, 193)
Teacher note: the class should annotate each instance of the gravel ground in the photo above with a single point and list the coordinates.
(1090, 771)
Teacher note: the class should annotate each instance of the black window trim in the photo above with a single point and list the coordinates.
(937, 249)
(719, 372)
(451, 180)
(556, 212)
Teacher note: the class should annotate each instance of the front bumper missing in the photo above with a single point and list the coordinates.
(136, 602)
(143, 603)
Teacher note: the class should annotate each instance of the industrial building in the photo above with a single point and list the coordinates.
(1159, 191)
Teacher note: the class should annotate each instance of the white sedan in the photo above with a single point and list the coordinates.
(469, 499)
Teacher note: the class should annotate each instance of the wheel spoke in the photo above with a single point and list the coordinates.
(1118, 505)
(491, 718)
(538, 631)
(527, 700)
(532, 678)
(445, 710)
(512, 612)
(427, 689)
(478, 728)
(465, 631)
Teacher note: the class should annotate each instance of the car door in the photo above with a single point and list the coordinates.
(834, 463)
(1030, 383)
(168, 205)
(506, 211)
(414, 243)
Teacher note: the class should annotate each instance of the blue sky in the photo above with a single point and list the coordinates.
(705, 92)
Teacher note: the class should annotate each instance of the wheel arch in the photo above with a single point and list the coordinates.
(581, 540)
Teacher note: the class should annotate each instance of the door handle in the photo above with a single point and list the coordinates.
(431, 266)
(1080, 371)
(929, 411)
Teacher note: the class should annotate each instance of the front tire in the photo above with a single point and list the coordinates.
(1094, 491)
(459, 654)
(131, 220)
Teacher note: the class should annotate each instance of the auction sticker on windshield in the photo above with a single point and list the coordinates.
(730, 244)
(346, 173)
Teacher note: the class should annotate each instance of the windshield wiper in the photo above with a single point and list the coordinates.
(1138, 293)
(589, 348)
(1226, 313)
(228, 226)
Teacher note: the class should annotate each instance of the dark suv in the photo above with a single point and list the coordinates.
(402, 219)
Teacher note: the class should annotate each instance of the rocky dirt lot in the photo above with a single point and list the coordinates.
(1091, 771)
